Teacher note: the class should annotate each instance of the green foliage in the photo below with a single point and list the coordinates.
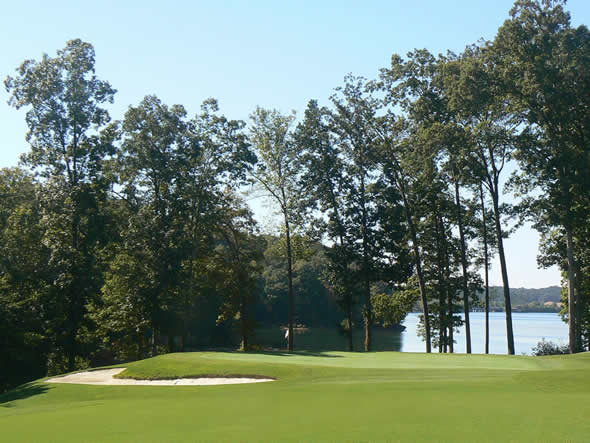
(235, 268)
(69, 144)
(544, 67)
(392, 309)
(26, 307)
(545, 347)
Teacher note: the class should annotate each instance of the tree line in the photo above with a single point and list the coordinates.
(116, 234)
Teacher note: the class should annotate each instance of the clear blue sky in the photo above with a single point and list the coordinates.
(269, 53)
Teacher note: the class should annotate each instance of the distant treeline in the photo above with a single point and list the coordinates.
(526, 300)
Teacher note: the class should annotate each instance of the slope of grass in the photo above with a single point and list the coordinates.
(332, 396)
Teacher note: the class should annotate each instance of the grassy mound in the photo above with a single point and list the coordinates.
(329, 396)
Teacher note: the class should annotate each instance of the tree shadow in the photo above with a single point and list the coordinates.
(302, 353)
(24, 391)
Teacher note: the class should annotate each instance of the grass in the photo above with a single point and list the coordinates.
(333, 396)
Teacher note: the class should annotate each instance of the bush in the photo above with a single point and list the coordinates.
(545, 347)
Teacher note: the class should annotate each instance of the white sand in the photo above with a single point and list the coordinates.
(105, 377)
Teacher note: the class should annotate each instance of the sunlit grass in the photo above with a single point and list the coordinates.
(334, 396)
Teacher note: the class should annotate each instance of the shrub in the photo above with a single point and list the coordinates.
(545, 347)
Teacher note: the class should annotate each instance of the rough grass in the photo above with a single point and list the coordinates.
(331, 396)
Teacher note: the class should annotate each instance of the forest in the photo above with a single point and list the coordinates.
(125, 238)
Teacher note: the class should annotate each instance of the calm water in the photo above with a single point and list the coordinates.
(529, 328)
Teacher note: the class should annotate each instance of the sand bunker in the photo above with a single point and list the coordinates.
(105, 377)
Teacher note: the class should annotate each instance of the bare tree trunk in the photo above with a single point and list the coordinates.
(290, 276)
(571, 294)
(368, 314)
(368, 309)
(140, 346)
(486, 267)
(244, 326)
(154, 342)
(422, 291)
(418, 264)
(450, 316)
(578, 277)
(350, 346)
(504, 270)
(439, 230)
(464, 269)
(451, 337)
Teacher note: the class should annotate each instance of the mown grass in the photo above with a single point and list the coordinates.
(333, 396)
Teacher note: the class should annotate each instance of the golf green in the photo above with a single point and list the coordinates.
(334, 396)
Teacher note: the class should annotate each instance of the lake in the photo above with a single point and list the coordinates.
(529, 329)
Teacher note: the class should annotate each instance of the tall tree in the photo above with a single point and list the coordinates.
(276, 173)
(154, 136)
(323, 185)
(407, 86)
(69, 143)
(475, 93)
(544, 62)
(353, 123)
(236, 265)
(27, 323)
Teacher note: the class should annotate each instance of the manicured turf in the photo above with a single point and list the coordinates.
(333, 396)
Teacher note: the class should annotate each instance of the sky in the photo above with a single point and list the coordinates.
(275, 54)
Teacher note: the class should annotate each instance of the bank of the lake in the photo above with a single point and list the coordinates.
(529, 329)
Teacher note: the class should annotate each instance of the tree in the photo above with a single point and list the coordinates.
(544, 65)
(69, 143)
(391, 309)
(403, 83)
(353, 124)
(276, 173)
(235, 266)
(154, 137)
(175, 175)
(26, 322)
(475, 96)
(323, 185)
(212, 167)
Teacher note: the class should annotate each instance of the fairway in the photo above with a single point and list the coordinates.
(331, 396)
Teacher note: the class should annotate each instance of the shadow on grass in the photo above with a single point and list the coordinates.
(319, 340)
(22, 392)
(303, 353)
(275, 351)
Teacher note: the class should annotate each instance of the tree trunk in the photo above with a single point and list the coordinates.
(504, 270)
(244, 326)
(464, 269)
(368, 311)
(571, 294)
(350, 345)
(71, 351)
(451, 338)
(290, 276)
(579, 309)
(76, 301)
(486, 267)
(418, 264)
(449, 293)
(439, 231)
(140, 346)
(154, 342)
